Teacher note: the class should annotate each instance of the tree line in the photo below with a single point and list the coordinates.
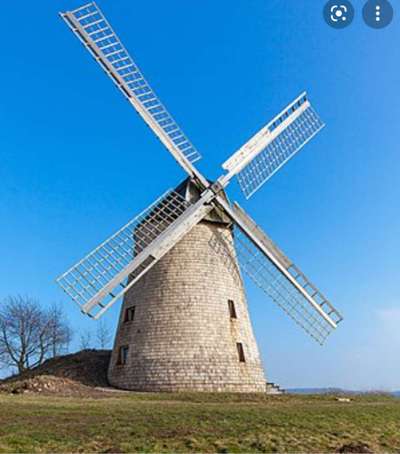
(31, 333)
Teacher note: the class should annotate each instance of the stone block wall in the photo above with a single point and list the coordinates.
(182, 336)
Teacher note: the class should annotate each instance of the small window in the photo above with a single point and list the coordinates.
(129, 314)
(122, 355)
(232, 311)
(240, 352)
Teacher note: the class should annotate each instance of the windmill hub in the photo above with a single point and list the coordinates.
(190, 191)
(184, 322)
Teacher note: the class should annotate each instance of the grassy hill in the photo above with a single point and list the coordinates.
(127, 422)
(64, 405)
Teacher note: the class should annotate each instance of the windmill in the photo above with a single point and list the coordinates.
(184, 321)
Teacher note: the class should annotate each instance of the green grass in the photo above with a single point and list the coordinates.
(197, 423)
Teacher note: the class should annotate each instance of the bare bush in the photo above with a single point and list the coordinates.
(60, 333)
(85, 340)
(29, 334)
(103, 335)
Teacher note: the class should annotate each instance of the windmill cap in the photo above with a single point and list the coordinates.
(189, 190)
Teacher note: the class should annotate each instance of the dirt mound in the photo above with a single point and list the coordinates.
(46, 384)
(77, 373)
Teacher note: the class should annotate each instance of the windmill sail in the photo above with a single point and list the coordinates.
(106, 274)
(280, 279)
(94, 31)
(265, 153)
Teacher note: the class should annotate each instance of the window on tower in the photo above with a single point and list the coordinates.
(232, 310)
(129, 314)
(240, 350)
(122, 355)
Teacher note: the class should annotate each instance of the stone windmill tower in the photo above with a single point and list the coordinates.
(184, 322)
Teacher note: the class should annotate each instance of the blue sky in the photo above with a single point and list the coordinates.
(76, 162)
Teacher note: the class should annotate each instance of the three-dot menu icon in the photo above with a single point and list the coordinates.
(378, 13)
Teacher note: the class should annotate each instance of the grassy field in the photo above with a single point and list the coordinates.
(197, 423)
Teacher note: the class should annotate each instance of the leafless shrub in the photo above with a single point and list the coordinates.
(29, 334)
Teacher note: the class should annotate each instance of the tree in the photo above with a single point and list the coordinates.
(103, 335)
(85, 340)
(60, 333)
(25, 333)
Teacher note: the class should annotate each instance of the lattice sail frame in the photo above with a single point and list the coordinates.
(279, 151)
(272, 282)
(266, 276)
(112, 261)
(270, 269)
(94, 31)
(272, 147)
